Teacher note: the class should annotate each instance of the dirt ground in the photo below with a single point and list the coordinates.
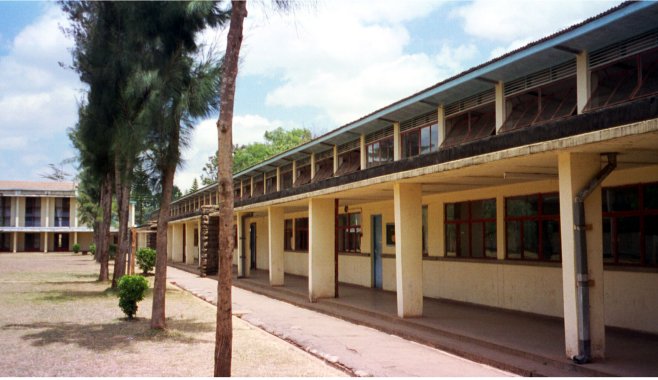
(57, 320)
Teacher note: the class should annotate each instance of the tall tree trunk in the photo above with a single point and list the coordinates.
(122, 189)
(106, 205)
(97, 240)
(160, 285)
(224, 332)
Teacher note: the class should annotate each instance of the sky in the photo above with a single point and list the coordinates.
(325, 64)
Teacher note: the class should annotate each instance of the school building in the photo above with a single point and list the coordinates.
(527, 183)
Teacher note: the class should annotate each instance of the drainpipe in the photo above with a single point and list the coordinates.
(582, 276)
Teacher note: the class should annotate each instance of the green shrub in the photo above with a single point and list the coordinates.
(145, 259)
(112, 251)
(76, 248)
(131, 290)
(92, 248)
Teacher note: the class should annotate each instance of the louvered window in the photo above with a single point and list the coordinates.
(551, 74)
(623, 80)
(286, 177)
(354, 144)
(270, 182)
(381, 134)
(471, 125)
(541, 104)
(618, 51)
(349, 162)
(324, 168)
(419, 135)
(471, 102)
(303, 175)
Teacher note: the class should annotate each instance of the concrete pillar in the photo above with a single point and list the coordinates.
(397, 151)
(500, 228)
(131, 214)
(241, 188)
(294, 172)
(45, 242)
(321, 231)
(15, 242)
(47, 218)
(335, 159)
(575, 171)
(275, 227)
(170, 240)
(198, 248)
(75, 238)
(251, 189)
(264, 183)
(17, 216)
(441, 121)
(583, 87)
(74, 211)
(189, 242)
(408, 249)
(364, 154)
(278, 178)
(312, 165)
(500, 108)
(241, 239)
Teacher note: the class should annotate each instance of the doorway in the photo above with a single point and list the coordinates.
(252, 245)
(61, 242)
(377, 251)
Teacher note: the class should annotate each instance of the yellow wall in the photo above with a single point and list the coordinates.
(262, 248)
(84, 239)
(296, 263)
(355, 270)
(631, 300)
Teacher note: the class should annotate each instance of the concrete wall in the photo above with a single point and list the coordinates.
(262, 247)
(351, 269)
(631, 300)
(296, 263)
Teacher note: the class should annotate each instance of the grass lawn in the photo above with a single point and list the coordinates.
(57, 320)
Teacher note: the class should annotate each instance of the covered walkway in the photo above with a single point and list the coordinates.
(524, 343)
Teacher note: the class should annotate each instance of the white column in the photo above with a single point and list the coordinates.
(45, 242)
(131, 213)
(47, 219)
(312, 165)
(278, 178)
(15, 242)
(500, 109)
(364, 154)
(251, 188)
(241, 240)
(275, 226)
(198, 248)
(582, 81)
(575, 171)
(335, 159)
(441, 121)
(75, 238)
(397, 154)
(321, 231)
(408, 249)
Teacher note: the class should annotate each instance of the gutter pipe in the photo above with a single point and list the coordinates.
(582, 275)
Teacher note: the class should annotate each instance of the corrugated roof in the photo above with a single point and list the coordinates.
(37, 185)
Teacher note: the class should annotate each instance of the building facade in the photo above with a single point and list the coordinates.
(40, 217)
(528, 183)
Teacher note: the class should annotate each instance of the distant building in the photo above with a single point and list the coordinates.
(40, 217)
(468, 190)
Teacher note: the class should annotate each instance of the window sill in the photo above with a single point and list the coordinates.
(629, 268)
(356, 254)
(494, 261)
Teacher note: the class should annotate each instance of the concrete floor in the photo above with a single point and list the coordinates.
(530, 337)
(523, 343)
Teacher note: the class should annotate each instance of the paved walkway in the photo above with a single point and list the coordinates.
(361, 350)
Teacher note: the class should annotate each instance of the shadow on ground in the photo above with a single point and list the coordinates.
(109, 336)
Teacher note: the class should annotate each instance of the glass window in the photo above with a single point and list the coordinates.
(287, 235)
(380, 152)
(301, 234)
(470, 229)
(630, 225)
(62, 212)
(32, 212)
(348, 232)
(532, 227)
(5, 211)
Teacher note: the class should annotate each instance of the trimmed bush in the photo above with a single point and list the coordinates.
(76, 248)
(132, 289)
(92, 248)
(145, 258)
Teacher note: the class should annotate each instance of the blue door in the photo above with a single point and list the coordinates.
(377, 250)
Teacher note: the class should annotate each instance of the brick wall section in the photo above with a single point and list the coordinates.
(209, 241)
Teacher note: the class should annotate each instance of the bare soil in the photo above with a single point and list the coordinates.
(57, 320)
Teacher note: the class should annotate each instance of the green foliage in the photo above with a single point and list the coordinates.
(276, 141)
(92, 248)
(132, 289)
(145, 258)
(76, 248)
(113, 251)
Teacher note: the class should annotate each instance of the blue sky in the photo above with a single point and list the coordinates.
(326, 64)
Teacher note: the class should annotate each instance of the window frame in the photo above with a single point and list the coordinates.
(470, 221)
(350, 232)
(391, 144)
(33, 212)
(288, 235)
(299, 234)
(641, 213)
(434, 140)
(538, 218)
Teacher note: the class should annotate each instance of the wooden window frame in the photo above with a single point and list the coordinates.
(539, 218)
(350, 232)
(470, 221)
(300, 232)
(288, 235)
(404, 136)
(372, 163)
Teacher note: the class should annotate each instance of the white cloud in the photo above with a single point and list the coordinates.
(507, 20)
(38, 98)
